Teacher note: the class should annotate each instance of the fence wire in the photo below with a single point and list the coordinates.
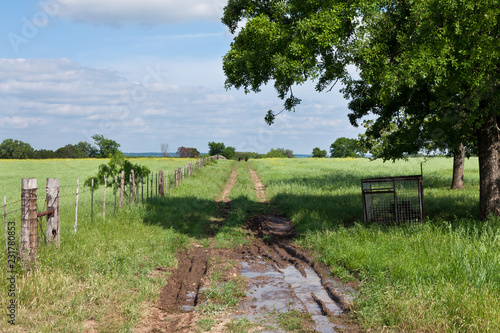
(91, 204)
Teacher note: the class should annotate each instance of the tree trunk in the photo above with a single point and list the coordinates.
(458, 169)
(489, 167)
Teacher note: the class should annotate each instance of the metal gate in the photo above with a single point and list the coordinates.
(393, 199)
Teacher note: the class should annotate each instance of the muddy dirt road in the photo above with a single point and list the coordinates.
(285, 289)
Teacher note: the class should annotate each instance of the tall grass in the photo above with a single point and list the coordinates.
(440, 275)
(103, 277)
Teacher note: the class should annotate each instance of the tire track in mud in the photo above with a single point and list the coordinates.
(180, 296)
(280, 278)
(283, 277)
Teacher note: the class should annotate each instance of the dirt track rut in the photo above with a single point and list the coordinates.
(280, 278)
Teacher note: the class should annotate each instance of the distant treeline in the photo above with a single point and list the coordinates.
(15, 149)
(106, 148)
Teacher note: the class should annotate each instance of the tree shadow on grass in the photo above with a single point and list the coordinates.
(343, 207)
(196, 217)
(339, 201)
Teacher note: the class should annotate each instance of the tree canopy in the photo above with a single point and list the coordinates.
(219, 148)
(15, 149)
(345, 147)
(216, 148)
(422, 65)
(107, 147)
(318, 152)
(280, 153)
(186, 152)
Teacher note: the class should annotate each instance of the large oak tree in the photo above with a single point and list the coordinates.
(450, 48)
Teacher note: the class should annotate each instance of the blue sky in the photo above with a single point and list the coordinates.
(143, 73)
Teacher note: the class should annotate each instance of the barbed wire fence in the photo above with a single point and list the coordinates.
(38, 213)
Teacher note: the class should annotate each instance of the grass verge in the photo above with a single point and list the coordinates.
(440, 275)
(103, 277)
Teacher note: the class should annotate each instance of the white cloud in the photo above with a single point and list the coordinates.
(21, 122)
(182, 108)
(154, 12)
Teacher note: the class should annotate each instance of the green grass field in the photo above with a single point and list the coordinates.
(103, 277)
(440, 275)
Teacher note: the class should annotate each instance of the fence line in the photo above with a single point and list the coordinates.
(49, 198)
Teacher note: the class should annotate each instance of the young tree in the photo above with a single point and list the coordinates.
(114, 168)
(318, 152)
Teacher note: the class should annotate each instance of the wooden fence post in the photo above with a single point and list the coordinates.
(104, 200)
(92, 202)
(160, 183)
(122, 188)
(52, 200)
(133, 185)
(76, 203)
(130, 189)
(114, 192)
(5, 222)
(28, 222)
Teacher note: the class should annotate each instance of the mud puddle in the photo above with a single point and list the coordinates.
(283, 278)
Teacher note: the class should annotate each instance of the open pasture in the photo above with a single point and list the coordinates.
(103, 277)
(440, 275)
(68, 170)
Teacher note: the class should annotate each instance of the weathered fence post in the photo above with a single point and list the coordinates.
(114, 192)
(104, 200)
(133, 185)
(5, 222)
(136, 188)
(130, 189)
(52, 200)
(151, 196)
(175, 178)
(190, 168)
(142, 188)
(28, 222)
(92, 202)
(147, 186)
(122, 187)
(76, 203)
(160, 184)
